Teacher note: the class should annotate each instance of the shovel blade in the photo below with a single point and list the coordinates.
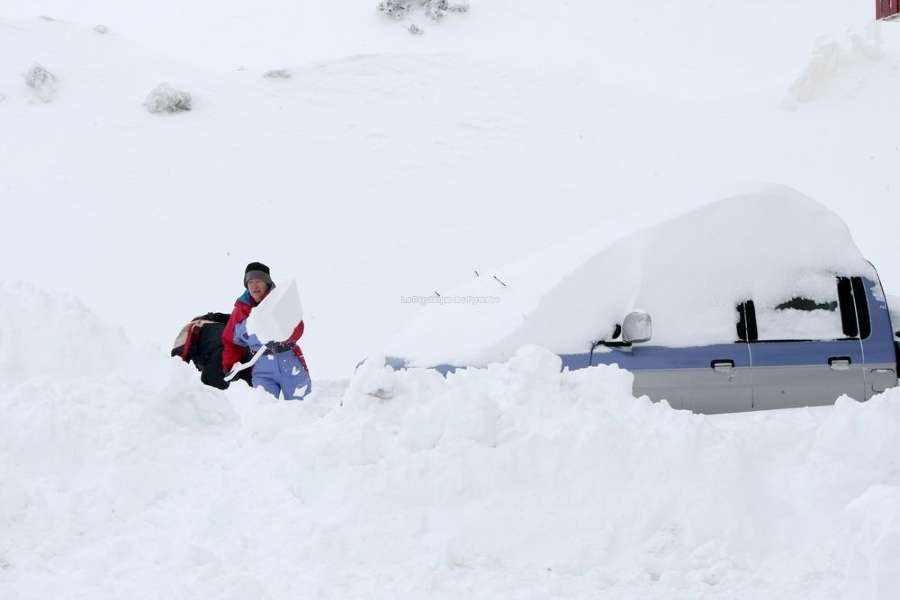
(277, 315)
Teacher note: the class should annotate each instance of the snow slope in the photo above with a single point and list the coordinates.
(512, 481)
(392, 165)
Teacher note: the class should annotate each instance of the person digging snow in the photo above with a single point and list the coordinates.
(282, 369)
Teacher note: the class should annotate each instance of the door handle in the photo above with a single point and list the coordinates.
(722, 365)
(839, 363)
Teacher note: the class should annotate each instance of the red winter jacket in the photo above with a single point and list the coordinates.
(232, 352)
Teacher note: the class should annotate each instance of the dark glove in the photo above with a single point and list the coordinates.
(277, 347)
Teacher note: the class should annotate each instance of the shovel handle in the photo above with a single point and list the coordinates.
(241, 366)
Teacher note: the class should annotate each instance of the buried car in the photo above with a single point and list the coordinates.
(757, 301)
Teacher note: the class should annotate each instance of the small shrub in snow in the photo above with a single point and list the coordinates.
(434, 9)
(101, 29)
(166, 99)
(42, 83)
(415, 29)
(395, 9)
(277, 74)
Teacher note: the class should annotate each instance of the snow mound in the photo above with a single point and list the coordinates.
(51, 336)
(515, 480)
(833, 58)
(166, 99)
(689, 273)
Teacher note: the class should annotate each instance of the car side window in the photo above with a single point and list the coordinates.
(810, 313)
(822, 314)
(799, 318)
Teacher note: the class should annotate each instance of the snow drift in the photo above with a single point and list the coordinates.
(48, 337)
(515, 480)
(689, 273)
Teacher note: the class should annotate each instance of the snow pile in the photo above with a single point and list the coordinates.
(830, 58)
(512, 481)
(41, 82)
(689, 273)
(48, 337)
(166, 99)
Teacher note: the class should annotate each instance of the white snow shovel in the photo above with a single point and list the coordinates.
(273, 320)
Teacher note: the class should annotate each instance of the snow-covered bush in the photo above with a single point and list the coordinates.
(166, 99)
(42, 82)
(277, 74)
(434, 9)
(101, 29)
(396, 9)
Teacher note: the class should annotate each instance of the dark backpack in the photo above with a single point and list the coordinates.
(200, 342)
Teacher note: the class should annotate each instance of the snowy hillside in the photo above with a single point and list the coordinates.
(373, 164)
(391, 165)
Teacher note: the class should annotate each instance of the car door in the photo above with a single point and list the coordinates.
(876, 335)
(705, 379)
(805, 348)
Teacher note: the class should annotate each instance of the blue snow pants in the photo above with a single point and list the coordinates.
(280, 374)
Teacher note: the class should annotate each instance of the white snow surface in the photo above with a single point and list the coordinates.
(386, 167)
(770, 244)
(513, 481)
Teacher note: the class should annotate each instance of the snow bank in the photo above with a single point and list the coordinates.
(49, 336)
(512, 481)
(689, 273)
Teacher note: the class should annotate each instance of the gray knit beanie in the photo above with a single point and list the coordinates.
(257, 270)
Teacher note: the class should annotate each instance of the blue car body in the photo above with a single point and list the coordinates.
(755, 374)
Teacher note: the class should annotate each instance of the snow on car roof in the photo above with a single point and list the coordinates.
(769, 244)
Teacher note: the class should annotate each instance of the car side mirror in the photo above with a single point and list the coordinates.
(637, 327)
